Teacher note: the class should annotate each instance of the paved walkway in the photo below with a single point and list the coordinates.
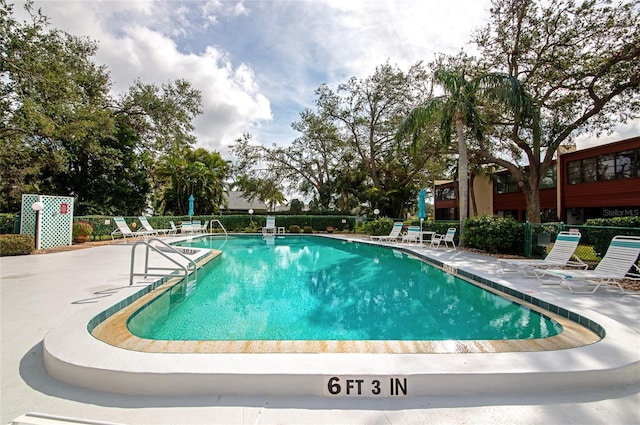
(38, 292)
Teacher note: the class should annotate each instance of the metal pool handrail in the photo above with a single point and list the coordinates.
(221, 226)
(162, 250)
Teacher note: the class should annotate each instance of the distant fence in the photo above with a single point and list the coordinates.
(103, 225)
(594, 240)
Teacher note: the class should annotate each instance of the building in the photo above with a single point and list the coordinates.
(598, 182)
(237, 203)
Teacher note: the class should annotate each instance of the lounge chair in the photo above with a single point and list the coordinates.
(559, 257)
(270, 227)
(122, 229)
(174, 229)
(617, 263)
(392, 236)
(412, 235)
(149, 228)
(446, 239)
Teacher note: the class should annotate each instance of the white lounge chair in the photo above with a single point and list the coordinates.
(446, 238)
(559, 257)
(412, 235)
(270, 227)
(617, 263)
(122, 229)
(392, 236)
(149, 228)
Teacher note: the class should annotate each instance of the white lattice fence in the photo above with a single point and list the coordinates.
(55, 220)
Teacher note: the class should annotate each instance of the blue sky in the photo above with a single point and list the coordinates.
(258, 63)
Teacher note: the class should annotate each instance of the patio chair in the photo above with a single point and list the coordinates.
(392, 236)
(122, 229)
(186, 227)
(270, 227)
(412, 235)
(617, 263)
(559, 257)
(196, 226)
(447, 239)
(174, 230)
(149, 228)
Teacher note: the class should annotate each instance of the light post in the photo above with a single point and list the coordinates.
(37, 207)
(251, 217)
(376, 212)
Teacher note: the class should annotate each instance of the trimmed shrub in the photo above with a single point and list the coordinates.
(379, 227)
(294, 228)
(494, 234)
(599, 231)
(16, 245)
(307, 229)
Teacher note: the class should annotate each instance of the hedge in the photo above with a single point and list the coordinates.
(16, 245)
(599, 231)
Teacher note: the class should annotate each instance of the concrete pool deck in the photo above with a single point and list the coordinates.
(41, 292)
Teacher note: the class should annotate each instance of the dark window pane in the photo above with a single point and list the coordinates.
(590, 170)
(549, 180)
(607, 167)
(625, 162)
(573, 172)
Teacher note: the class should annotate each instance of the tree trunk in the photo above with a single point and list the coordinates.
(532, 197)
(463, 175)
(472, 196)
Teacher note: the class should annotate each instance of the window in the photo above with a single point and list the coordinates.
(445, 194)
(619, 165)
(549, 180)
(607, 167)
(625, 162)
(506, 183)
(590, 170)
(574, 175)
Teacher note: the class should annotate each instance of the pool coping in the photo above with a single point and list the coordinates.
(72, 355)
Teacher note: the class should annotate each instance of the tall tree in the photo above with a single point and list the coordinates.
(577, 64)
(456, 109)
(367, 113)
(54, 102)
(184, 172)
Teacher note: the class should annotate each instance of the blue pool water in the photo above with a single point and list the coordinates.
(315, 288)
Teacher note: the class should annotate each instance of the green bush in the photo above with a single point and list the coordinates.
(294, 228)
(379, 227)
(599, 231)
(81, 228)
(7, 224)
(16, 245)
(307, 229)
(494, 234)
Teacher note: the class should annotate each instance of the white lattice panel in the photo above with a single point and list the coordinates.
(56, 220)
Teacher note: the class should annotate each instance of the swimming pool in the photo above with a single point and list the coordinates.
(94, 349)
(314, 288)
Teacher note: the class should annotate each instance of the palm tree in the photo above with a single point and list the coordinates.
(457, 108)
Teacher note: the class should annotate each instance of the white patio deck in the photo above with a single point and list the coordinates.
(40, 292)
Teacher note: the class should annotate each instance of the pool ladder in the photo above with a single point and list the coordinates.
(165, 250)
(221, 226)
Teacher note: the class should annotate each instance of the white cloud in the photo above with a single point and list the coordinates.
(233, 102)
(258, 63)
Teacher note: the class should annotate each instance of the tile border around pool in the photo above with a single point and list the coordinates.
(110, 327)
(543, 305)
